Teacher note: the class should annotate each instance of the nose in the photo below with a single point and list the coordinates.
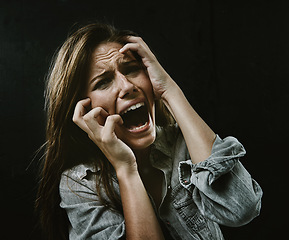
(126, 88)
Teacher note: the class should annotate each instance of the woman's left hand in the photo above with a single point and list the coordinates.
(160, 79)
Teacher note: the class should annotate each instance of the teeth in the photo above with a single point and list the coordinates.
(133, 107)
(137, 128)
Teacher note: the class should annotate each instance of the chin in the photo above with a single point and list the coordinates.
(142, 143)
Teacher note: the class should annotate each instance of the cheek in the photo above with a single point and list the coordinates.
(101, 99)
(145, 84)
(148, 91)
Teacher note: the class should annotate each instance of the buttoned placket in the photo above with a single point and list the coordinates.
(162, 162)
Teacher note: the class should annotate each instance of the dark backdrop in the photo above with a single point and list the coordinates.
(230, 58)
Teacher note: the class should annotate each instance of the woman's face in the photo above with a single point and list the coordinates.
(118, 83)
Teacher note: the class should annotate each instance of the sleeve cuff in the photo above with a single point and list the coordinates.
(225, 154)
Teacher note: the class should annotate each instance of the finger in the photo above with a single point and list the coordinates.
(98, 112)
(141, 43)
(109, 127)
(79, 111)
(94, 121)
(101, 116)
(146, 55)
(95, 118)
(130, 46)
(81, 108)
(135, 39)
(134, 44)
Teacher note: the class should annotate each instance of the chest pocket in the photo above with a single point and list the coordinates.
(189, 214)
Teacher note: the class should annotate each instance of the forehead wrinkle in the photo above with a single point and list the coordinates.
(107, 58)
(99, 56)
(111, 60)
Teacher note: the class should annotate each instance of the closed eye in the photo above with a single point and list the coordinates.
(102, 84)
(102, 81)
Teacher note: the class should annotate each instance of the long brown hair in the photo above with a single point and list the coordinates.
(66, 144)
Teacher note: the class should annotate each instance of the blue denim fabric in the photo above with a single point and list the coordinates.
(196, 197)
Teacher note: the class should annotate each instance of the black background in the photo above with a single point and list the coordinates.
(229, 57)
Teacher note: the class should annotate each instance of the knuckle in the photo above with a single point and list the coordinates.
(96, 112)
(74, 119)
(113, 118)
(78, 104)
(110, 118)
(85, 118)
(138, 38)
(106, 140)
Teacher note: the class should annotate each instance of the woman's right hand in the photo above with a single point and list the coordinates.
(100, 126)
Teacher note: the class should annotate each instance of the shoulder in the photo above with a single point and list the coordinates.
(79, 172)
(83, 183)
(78, 182)
(90, 217)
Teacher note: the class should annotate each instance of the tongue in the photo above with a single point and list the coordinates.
(135, 118)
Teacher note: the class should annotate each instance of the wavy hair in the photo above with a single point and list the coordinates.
(66, 144)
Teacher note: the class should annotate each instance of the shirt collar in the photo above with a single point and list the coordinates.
(162, 142)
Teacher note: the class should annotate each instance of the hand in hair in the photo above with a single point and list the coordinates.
(160, 79)
(198, 135)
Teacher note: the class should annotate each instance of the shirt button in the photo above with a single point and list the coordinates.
(169, 187)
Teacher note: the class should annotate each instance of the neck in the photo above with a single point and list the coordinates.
(142, 157)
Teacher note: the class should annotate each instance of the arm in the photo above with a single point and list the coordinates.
(198, 136)
(221, 187)
(235, 198)
(140, 219)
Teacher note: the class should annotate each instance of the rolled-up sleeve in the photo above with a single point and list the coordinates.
(89, 219)
(221, 187)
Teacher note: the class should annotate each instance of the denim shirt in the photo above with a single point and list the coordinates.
(196, 198)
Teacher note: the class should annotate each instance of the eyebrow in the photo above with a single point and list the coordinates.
(122, 63)
(128, 62)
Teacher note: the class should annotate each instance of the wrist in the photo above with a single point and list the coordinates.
(171, 92)
(125, 172)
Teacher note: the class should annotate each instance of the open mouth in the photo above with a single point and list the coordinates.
(136, 117)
